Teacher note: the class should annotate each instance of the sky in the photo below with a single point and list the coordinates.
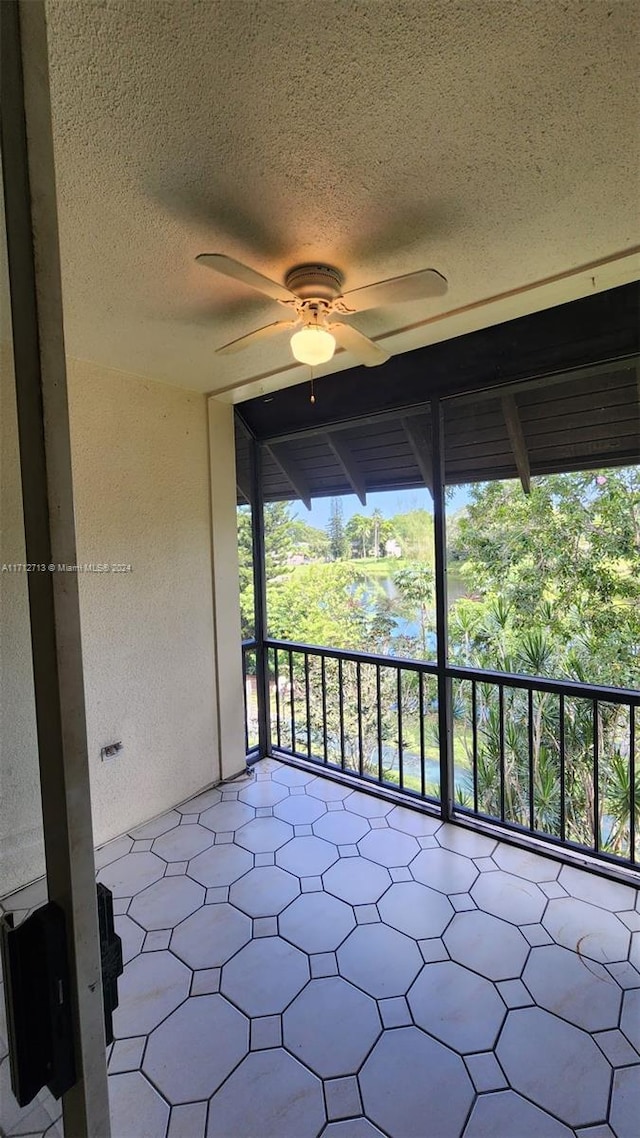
(388, 501)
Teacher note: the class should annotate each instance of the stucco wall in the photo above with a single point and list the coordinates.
(140, 457)
(142, 495)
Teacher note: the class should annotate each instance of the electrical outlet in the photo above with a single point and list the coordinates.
(111, 751)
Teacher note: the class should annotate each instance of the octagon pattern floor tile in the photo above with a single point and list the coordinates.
(265, 976)
(150, 988)
(564, 984)
(211, 936)
(509, 897)
(389, 847)
(269, 1094)
(166, 902)
(380, 960)
(183, 842)
(486, 944)
(556, 1065)
(416, 910)
(408, 1106)
(317, 922)
(444, 870)
(331, 1026)
(131, 1096)
(456, 1006)
(308, 961)
(582, 927)
(192, 1035)
(505, 1115)
(220, 865)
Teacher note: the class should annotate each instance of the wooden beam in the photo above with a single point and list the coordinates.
(293, 474)
(517, 440)
(243, 485)
(603, 368)
(349, 466)
(421, 446)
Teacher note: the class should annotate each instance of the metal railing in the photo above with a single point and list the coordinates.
(552, 759)
(250, 696)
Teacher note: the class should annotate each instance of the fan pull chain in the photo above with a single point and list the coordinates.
(313, 398)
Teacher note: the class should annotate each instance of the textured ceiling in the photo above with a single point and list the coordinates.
(497, 142)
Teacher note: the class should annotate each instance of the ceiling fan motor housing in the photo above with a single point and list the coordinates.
(315, 282)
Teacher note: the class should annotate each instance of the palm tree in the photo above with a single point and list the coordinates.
(376, 518)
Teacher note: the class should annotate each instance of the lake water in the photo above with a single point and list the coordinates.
(404, 627)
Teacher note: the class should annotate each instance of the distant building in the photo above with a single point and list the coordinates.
(392, 548)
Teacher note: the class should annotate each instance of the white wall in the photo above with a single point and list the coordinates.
(140, 459)
(142, 494)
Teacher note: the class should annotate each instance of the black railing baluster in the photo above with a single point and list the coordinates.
(632, 783)
(379, 721)
(596, 779)
(323, 682)
(359, 698)
(501, 744)
(563, 788)
(276, 680)
(421, 714)
(292, 710)
(400, 739)
(531, 767)
(474, 742)
(341, 704)
(517, 809)
(307, 702)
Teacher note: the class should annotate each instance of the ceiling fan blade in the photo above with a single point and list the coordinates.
(397, 290)
(263, 333)
(360, 346)
(239, 272)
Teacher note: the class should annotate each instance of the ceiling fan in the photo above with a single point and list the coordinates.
(314, 293)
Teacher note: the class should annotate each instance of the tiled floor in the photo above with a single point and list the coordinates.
(304, 960)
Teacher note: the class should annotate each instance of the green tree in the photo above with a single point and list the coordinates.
(335, 531)
(415, 585)
(280, 542)
(377, 522)
(565, 558)
(556, 576)
(358, 533)
(414, 532)
(310, 541)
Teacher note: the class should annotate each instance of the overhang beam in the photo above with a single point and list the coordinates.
(421, 448)
(517, 440)
(294, 476)
(349, 466)
(243, 487)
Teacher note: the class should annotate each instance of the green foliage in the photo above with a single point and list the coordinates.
(336, 531)
(326, 604)
(414, 533)
(358, 532)
(283, 535)
(553, 589)
(416, 587)
(367, 536)
(309, 541)
(562, 563)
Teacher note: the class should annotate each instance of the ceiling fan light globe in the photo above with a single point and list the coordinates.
(313, 346)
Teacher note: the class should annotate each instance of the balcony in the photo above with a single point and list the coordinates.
(307, 958)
